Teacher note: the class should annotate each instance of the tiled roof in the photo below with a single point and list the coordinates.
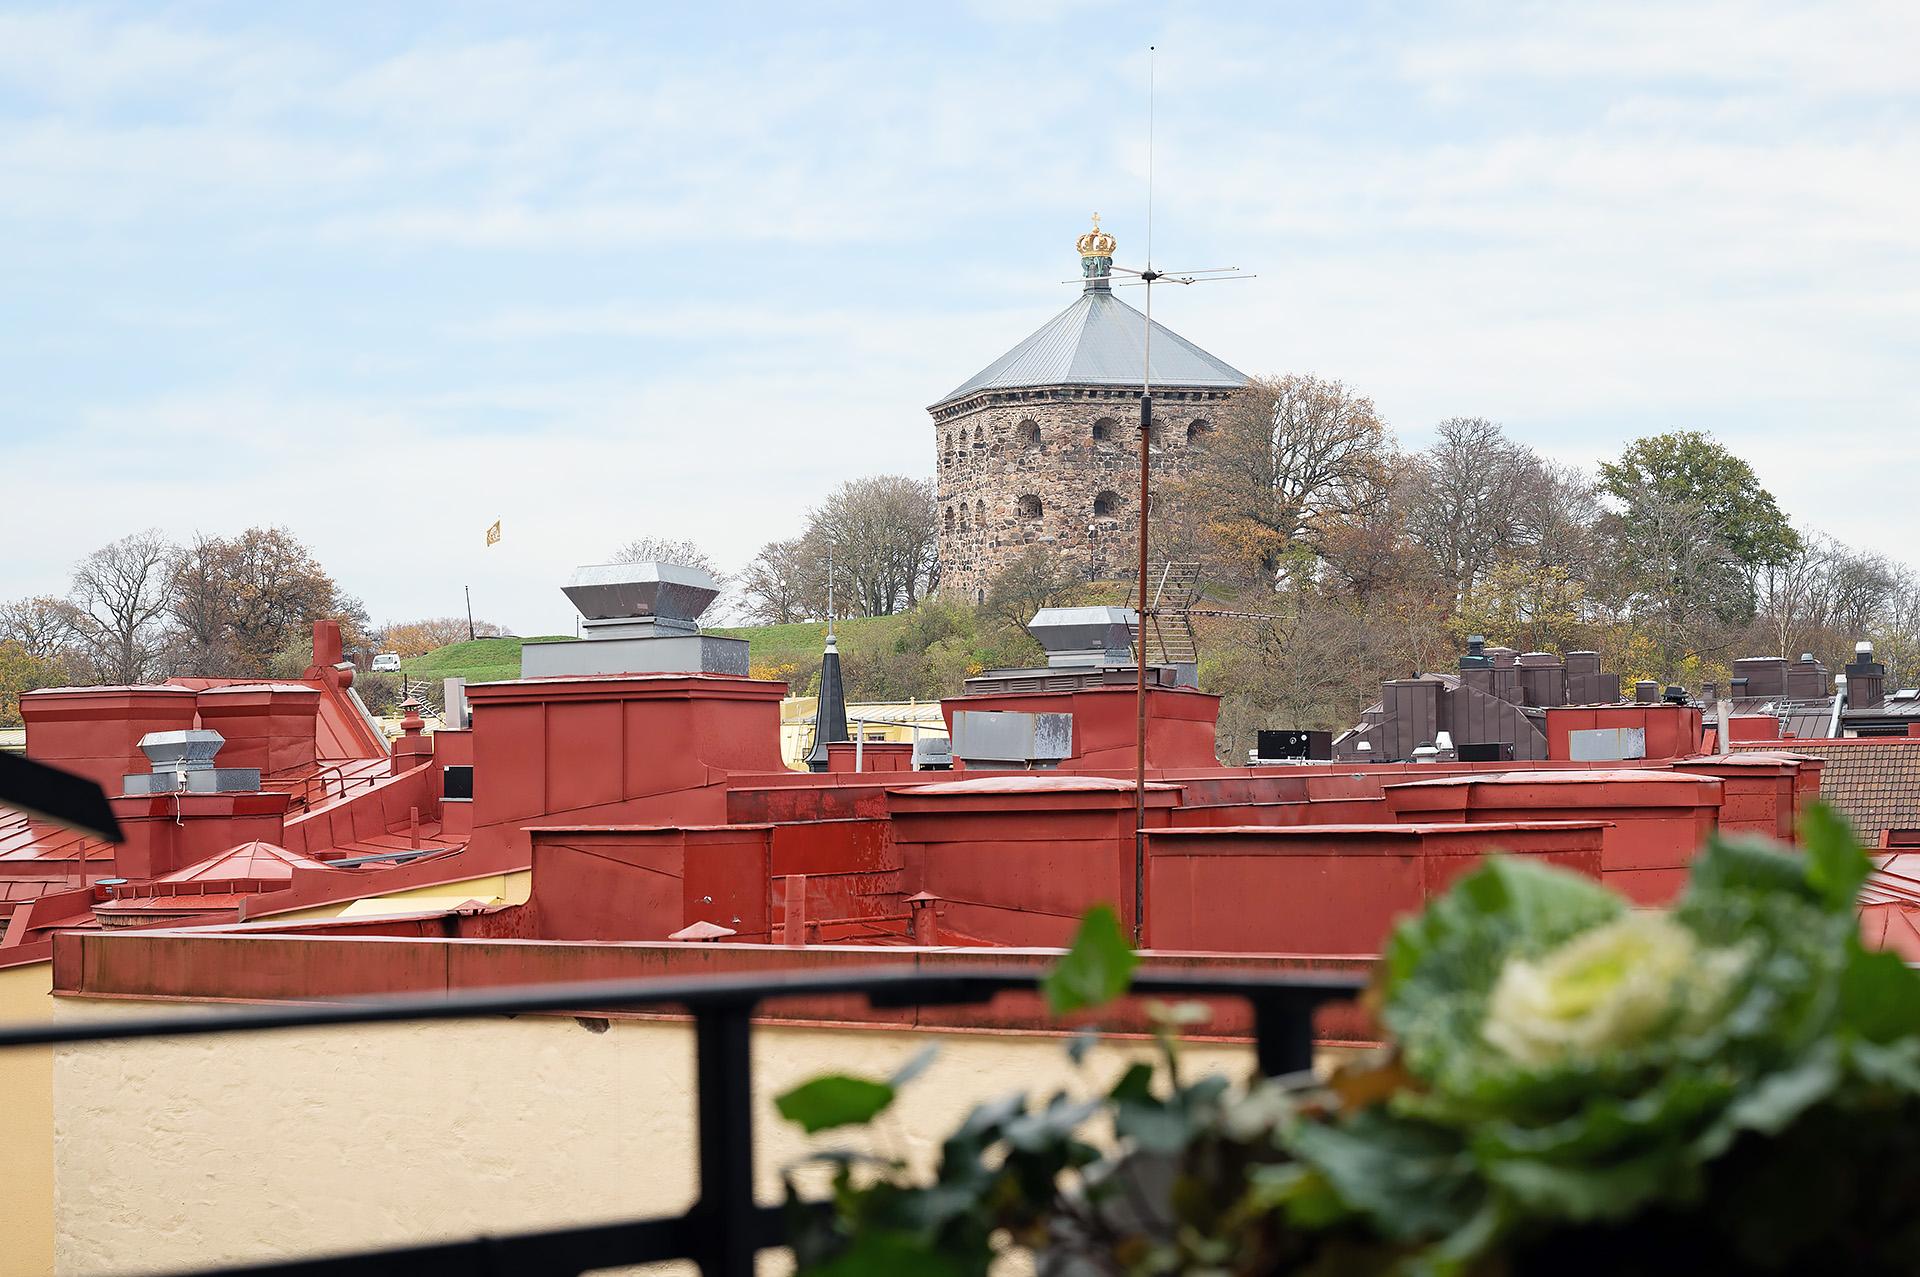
(1875, 784)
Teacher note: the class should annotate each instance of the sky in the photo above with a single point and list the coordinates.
(383, 274)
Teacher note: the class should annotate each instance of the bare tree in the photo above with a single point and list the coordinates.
(1557, 516)
(122, 592)
(46, 628)
(1291, 460)
(883, 533)
(236, 602)
(200, 607)
(687, 553)
(417, 638)
(778, 587)
(1035, 578)
(1466, 496)
(653, 549)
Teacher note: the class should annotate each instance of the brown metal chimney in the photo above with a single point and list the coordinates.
(1866, 678)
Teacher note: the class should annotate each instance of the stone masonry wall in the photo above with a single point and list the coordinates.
(1056, 467)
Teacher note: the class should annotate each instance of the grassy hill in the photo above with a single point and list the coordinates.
(772, 649)
(486, 660)
(798, 646)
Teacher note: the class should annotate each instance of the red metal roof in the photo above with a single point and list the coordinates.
(259, 861)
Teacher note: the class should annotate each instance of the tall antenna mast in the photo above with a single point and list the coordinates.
(1146, 610)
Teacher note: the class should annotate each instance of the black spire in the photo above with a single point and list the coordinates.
(829, 709)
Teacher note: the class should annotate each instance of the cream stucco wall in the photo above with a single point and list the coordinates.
(26, 1076)
(26, 1128)
(243, 1148)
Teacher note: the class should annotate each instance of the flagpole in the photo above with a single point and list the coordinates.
(468, 589)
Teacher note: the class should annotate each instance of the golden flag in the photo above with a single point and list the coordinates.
(493, 533)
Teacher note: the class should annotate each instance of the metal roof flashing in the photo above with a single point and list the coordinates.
(1099, 340)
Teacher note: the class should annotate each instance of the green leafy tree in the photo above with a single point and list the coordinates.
(1690, 470)
(1692, 532)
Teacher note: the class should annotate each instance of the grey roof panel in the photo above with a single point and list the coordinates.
(1099, 341)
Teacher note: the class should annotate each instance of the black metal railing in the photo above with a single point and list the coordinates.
(725, 1228)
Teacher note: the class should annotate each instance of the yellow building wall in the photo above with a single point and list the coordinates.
(26, 1128)
(506, 888)
(225, 1150)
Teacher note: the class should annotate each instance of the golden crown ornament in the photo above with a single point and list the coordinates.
(1096, 242)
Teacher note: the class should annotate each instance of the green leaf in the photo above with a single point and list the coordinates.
(1836, 865)
(835, 1099)
(1153, 1127)
(1585, 1192)
(876, 1253)
(1879, 995)
(1773, 1103)
(1753, 865)
(1412, 1180)
(1135, 1084)
(1096, 969)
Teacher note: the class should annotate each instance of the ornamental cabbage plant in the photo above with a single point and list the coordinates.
(1645, 1081)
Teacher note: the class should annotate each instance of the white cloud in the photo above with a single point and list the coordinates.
(596, 284)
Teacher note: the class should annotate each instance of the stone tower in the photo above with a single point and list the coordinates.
(1041, 447)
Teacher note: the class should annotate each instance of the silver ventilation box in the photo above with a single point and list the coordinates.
(1089, 637)
(622, 598)
(638, 618)
(182, 763)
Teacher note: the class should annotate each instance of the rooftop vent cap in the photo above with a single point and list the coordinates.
(191, 750)
(1864, 649)
(1807, 656)
(674, 594)
(181, 762)
(1084, 636)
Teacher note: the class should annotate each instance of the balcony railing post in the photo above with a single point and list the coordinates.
(1282, 1031)
(725, 1236)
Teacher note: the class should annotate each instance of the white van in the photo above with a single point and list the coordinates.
(386, 663)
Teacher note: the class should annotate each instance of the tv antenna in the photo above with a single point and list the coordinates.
(1149, 600)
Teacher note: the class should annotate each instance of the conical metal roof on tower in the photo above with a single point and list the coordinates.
(1099, 341)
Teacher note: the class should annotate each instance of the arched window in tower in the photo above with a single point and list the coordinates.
(1027, 433)
(979, 437)
(947, 521)
(1198, 431)
(1030, 507)
(1103, 430)
(1106, 505)
(963, 516)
